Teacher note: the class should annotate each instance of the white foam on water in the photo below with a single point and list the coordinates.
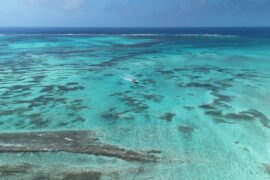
(127, 35)
(207, 35)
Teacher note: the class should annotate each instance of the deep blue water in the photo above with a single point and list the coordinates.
(246, 31)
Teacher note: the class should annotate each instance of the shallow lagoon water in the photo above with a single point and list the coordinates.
(201, 106)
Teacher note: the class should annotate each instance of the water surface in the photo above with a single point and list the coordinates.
(201, 105)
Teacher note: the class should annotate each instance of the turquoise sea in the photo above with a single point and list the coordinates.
(200, 109)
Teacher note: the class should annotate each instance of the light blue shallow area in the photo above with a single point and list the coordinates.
(203, 101)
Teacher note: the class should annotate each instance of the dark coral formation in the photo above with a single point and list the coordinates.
(267, 168)
(68, 141)
(41, 172)
(188, 108)
(207, 107)
(231, 118)
(82, 175)
(153, 97)
(64, 172)
(113, 115)
(167, 116)
(62, 89)
(135, 105)
(185, 129)
(221, 101)
(7, 170)
(50, 96)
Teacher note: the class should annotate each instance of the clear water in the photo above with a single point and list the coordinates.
(203, 100)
